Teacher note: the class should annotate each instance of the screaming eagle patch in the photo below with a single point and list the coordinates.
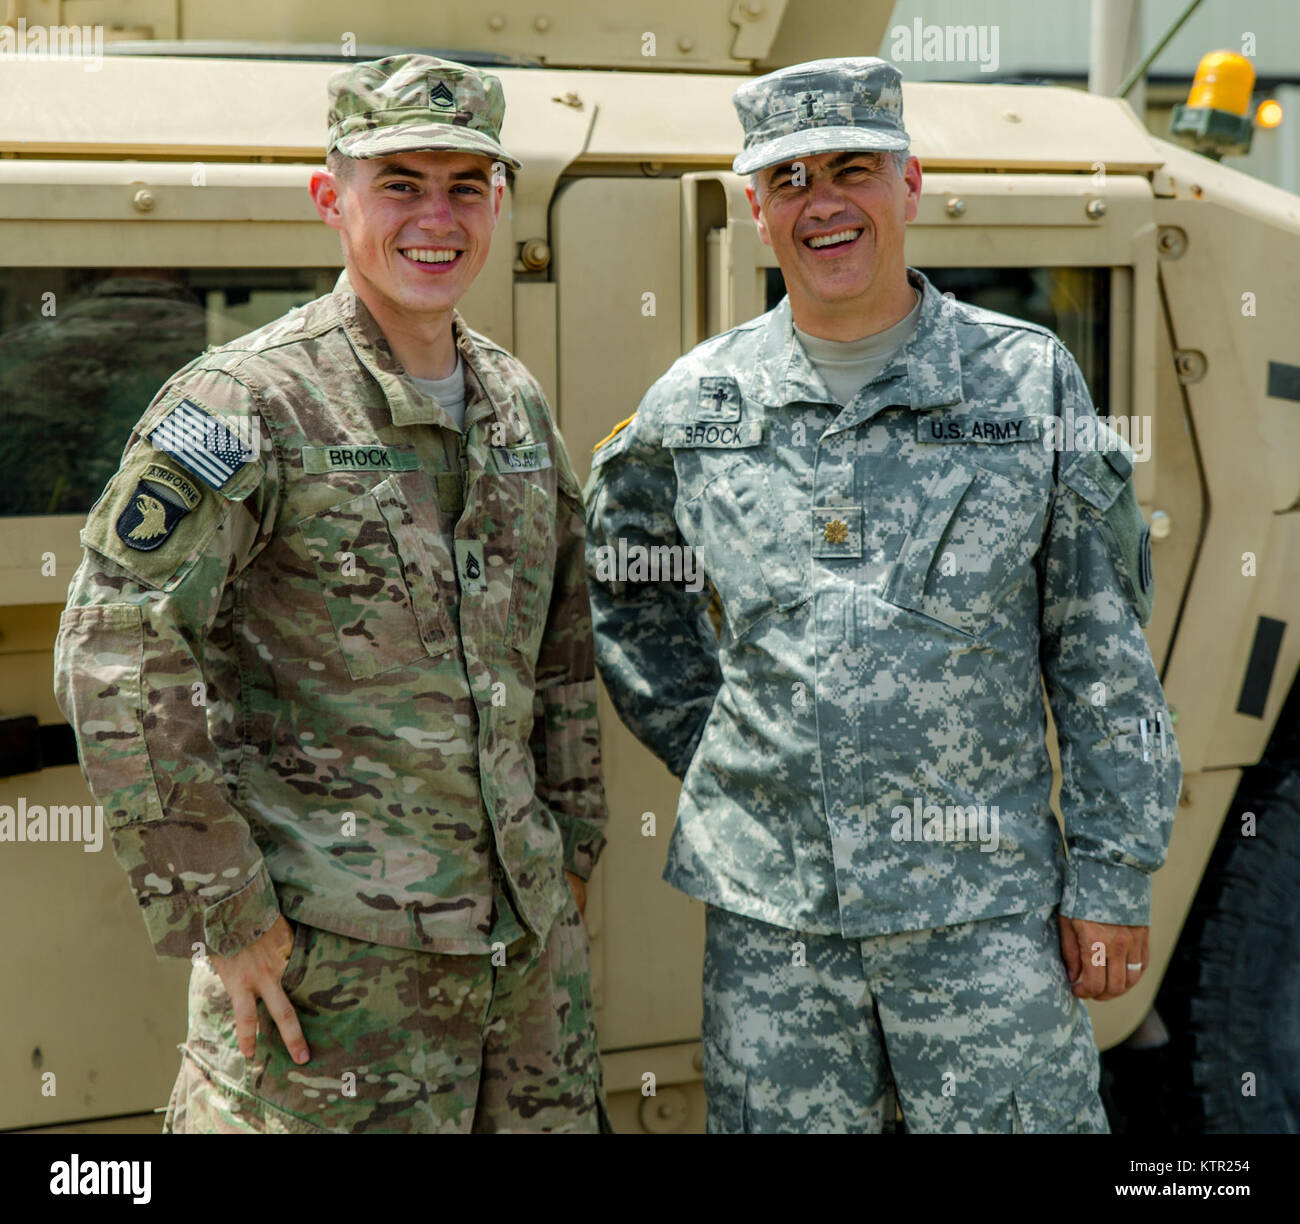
(149, 517)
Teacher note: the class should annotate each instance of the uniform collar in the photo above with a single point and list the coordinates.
(929, 365)
(486, 397)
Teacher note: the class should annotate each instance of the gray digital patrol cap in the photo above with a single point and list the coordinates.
(824, 106)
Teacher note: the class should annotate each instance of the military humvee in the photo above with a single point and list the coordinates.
(154, 202)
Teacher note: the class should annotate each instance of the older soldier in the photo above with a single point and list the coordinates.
(899, 558)
(329, 662)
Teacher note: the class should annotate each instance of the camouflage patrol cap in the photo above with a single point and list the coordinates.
(824, 106)
(415, 104)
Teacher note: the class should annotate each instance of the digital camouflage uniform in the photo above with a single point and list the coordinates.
(328, 657)
(72, 386)
(895, 577)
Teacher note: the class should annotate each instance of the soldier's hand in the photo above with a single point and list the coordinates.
(578, 887)
(253, 973)
(1098, 956)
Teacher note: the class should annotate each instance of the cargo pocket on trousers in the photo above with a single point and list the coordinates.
(725, 1086)
(1059, 1096)
(295, 968)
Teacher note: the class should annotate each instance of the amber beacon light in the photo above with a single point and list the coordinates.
(1268, 114)
(1215, 120)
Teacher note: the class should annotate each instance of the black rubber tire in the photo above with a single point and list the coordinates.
(1231, 996)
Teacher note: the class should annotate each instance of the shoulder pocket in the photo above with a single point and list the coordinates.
(100, 652)
(156, 519)
(1103, 480)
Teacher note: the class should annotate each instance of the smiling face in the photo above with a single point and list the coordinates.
(416, 228)
(837, 231)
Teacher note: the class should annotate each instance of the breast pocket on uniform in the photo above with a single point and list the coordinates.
(731, 517)
(378, 579)
(534, 568)
(972, 544)
(506, 560)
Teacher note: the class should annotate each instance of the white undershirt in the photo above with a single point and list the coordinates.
(449, 391)
(846, 366)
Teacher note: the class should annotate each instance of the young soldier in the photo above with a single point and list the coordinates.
(329, 663)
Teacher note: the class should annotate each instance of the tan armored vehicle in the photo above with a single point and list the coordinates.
(155, 202)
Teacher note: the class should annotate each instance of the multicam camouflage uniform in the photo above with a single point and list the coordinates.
(895, 577)
(353, 684)
(329, 657)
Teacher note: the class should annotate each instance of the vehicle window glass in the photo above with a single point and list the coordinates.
(84, 351)
(1072, 302)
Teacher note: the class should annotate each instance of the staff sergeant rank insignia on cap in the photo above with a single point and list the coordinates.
(201, 442)
(440, 95)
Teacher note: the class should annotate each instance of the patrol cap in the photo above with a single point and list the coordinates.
(823, 106)
(415, 104)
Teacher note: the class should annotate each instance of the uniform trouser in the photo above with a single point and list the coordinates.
(974, 1025)
(403, 1042)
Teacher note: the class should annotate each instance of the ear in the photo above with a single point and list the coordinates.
(912, 178)
(325, 194)
(757, 209)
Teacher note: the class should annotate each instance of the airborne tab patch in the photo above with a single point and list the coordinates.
(150, 517)
(201, 442)
(189, 494)
(719, 400)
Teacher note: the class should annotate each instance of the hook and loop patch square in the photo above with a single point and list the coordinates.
(149, 517)
(471, 566)
(719, 400)
(211, 450)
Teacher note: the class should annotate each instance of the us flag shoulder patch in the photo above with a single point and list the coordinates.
(202, 443)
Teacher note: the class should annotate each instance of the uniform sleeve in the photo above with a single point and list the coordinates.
(566, 733)
(1119, 759)
(161, 547)
(655, 644)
